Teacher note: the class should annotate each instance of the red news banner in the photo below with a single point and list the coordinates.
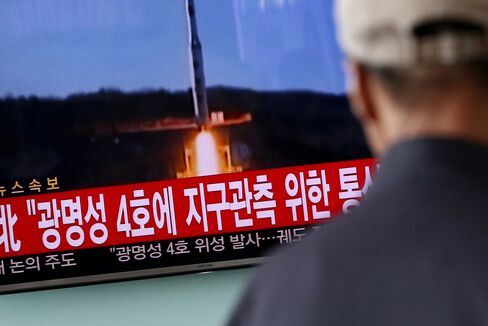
(183, 208)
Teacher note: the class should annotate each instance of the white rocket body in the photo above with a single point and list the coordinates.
(199, 89)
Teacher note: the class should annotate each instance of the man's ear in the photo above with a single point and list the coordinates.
(364, 105)
(360, 93)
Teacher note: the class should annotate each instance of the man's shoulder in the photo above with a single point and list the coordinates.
(339, 246)
(300, 281)
(370, 265)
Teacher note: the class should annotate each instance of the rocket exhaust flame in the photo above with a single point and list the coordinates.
(206, 155)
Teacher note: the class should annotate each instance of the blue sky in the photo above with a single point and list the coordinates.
(60, 47)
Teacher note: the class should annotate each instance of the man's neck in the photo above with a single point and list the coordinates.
(459, 118)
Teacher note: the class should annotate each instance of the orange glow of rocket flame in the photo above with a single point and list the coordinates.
(207, 161)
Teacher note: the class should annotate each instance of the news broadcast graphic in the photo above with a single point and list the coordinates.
(168, 226)
(161, 137)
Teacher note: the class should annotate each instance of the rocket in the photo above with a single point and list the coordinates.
(203, 119)
(199, 90)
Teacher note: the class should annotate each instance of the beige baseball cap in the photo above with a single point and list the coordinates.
(386, 32)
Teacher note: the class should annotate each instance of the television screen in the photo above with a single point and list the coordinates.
(143, 138)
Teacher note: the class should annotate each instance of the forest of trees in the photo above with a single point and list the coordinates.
(77, 138)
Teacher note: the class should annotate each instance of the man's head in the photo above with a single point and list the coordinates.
(417, 68)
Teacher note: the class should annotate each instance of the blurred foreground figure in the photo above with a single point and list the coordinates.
(416, 251)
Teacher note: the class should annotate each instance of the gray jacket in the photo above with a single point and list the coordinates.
(414, 253)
